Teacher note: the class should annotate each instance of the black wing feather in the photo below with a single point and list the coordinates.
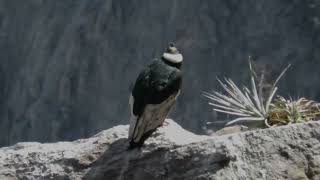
(154, 85)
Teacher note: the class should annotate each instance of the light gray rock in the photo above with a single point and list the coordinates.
(289, 152)
(231, 129)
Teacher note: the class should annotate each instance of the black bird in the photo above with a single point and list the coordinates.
(154, 94)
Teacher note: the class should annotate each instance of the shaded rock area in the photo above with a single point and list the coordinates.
(289, 152)
(67, 65)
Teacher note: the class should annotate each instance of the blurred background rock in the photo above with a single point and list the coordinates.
(67, 66)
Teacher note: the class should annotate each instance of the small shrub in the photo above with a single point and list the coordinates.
(283, 111)
(247, 104)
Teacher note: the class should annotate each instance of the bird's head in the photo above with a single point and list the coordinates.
(172, 54)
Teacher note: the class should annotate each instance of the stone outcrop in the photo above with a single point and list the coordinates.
(288, 152)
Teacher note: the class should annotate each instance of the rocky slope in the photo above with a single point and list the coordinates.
(290, 152)
(67, 65)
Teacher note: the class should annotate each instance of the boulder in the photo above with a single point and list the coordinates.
(288, 152)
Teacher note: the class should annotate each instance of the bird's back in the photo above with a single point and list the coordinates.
(154, 94)
(155, 84)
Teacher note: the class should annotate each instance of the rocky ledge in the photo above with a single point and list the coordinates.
(289, 152)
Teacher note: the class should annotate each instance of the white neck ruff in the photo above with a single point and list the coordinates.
(174, 58)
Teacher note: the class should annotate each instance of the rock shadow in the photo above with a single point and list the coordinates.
(155, 162)
(108, 164)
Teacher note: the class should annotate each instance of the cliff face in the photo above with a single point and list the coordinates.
(67, 65)
(289, 152)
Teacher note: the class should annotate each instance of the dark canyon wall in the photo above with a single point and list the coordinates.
(67, 66)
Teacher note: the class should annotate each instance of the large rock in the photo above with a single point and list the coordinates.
(289, 152)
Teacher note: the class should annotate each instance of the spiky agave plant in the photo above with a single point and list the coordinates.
(247, 104)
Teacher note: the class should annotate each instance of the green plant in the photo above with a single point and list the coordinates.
(247, 104)
(284, 111)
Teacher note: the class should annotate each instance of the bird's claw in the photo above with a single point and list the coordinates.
(164, 124)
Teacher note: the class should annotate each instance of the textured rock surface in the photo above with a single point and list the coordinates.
(290, 152)
(66, 65)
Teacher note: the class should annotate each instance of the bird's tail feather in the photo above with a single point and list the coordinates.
(139, 144)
